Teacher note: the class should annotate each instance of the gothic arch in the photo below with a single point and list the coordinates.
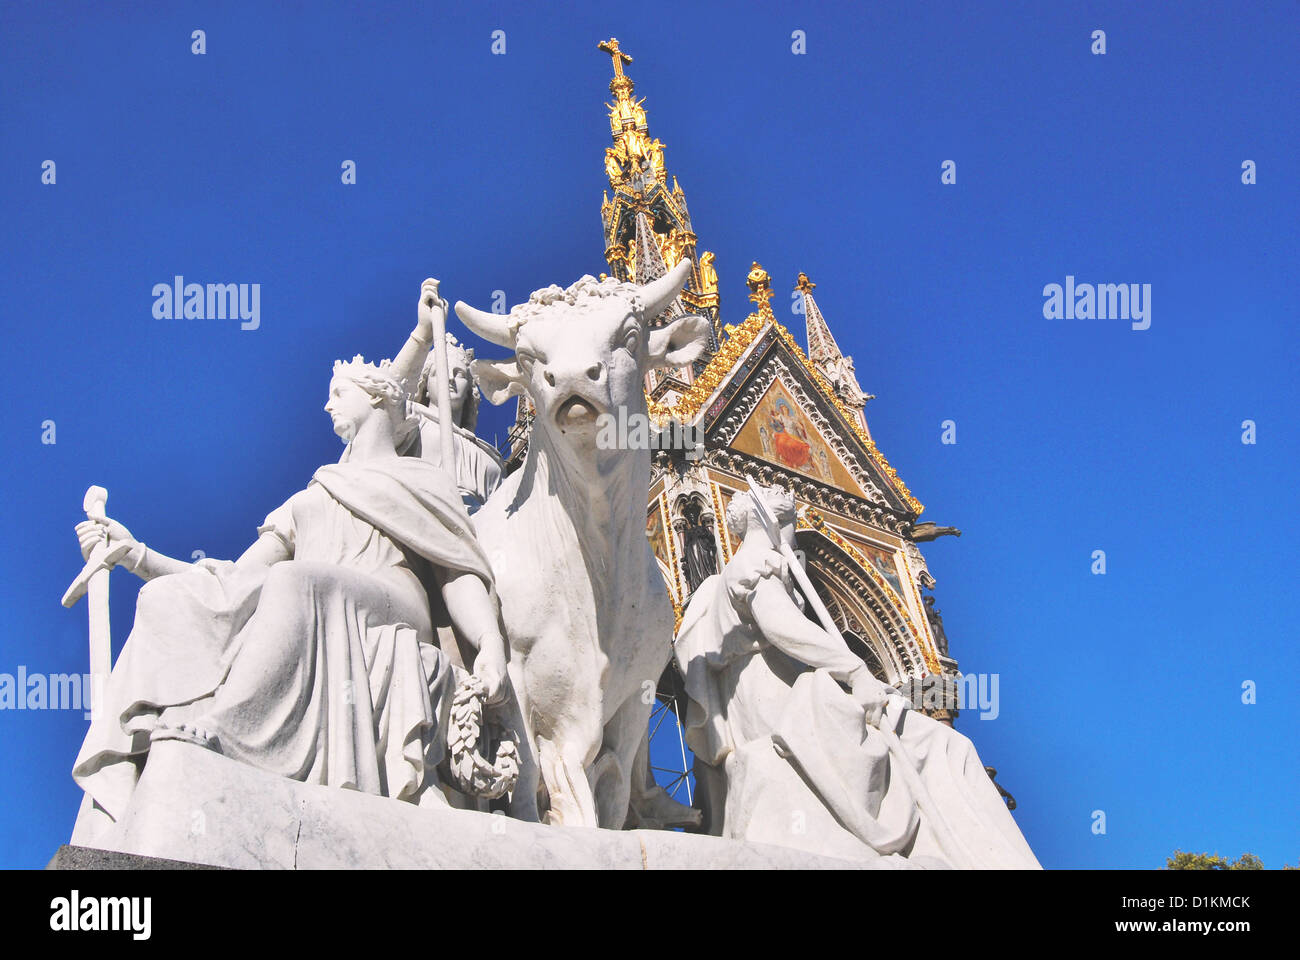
(862, 610)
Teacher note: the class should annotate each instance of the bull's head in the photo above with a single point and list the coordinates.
(584, 352)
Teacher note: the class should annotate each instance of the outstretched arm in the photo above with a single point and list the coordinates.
(140, 560)
(787, 629)
(147, 563)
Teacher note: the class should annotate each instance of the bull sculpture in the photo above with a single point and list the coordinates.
(586, 612)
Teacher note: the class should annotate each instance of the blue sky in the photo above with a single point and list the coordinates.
(1119, 693)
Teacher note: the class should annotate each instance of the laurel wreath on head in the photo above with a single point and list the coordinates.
(474, 774)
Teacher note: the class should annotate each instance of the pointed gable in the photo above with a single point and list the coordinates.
(780, 431)
(735, 384)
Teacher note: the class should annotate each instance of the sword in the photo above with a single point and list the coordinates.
(93, 581)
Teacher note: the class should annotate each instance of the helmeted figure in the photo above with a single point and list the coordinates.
(797, 743)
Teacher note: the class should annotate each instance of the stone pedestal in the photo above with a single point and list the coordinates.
(197, 808)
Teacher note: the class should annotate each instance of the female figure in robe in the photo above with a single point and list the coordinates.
(786, 755)
(312, 656)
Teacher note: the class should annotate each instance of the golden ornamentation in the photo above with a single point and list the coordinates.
(610, 46)
(631, 143)
(708, 275)
(689, 403)
(877, 457)
(720, 521)
(670, 543)
(760, 285)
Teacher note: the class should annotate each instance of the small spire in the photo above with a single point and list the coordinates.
(825, 354)
(822, 348)
(650, 263)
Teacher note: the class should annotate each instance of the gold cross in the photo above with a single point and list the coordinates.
(610, 46)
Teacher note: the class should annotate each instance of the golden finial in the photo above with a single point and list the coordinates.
(803, 284)
(760, 284)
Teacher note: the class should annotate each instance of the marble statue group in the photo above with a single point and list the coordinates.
(417, 625)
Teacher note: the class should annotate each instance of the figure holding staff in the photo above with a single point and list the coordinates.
(438, 376)
(797, 743)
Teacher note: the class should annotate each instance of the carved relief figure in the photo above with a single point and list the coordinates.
(699, 549)
(936, 626)
(708, 273)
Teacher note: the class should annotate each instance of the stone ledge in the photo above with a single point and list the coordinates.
(72, 857)
(194, 808)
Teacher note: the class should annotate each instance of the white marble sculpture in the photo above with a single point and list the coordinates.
(312, 655)
(796, 743)
(585, 607)
(478, 467)
(330, 653)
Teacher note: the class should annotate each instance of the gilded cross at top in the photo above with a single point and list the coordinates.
(610, 46)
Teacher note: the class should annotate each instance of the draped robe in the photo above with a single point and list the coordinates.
(798, 761)
(322, 667)
(478, 465)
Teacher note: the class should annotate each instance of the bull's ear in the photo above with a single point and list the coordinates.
(498, 379)
(678, 343)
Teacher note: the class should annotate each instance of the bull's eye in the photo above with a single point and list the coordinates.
(524, 357)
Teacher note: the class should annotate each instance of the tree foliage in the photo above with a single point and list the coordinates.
(1211, 861)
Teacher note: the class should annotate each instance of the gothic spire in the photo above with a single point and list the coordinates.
(825, 353)
(822, 348)
(646, 222)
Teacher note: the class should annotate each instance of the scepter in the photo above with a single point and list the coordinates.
(947, 838)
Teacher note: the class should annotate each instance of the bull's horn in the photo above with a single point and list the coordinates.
(658, 294)
(490, 326)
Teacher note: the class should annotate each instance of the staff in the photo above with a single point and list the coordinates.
(438, 307)
(947, 839)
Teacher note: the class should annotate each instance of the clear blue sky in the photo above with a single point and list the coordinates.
(1119, 693)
